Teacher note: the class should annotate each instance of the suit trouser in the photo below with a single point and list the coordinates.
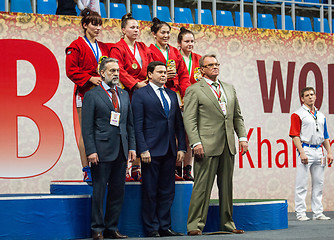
(205, 171)
(113, 175)
(317, 174)
(158, 190)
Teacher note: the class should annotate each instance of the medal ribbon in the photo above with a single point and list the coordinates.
(96, 54)
(189, 67)
(114, 103)
(162, 53)
(134, 53)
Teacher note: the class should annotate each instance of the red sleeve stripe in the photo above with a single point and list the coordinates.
(295, 125)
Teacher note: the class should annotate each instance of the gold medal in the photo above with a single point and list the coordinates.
(134, 66)
(197, 74)
(171, 65)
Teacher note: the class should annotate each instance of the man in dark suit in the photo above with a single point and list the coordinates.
(108, 133)
(158, 122)
(211, 116)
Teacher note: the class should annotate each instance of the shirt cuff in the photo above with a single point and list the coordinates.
(195, 144)
(243, 139)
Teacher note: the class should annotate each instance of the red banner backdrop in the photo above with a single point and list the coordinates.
(267, 67)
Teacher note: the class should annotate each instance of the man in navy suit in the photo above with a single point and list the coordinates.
(158, 124)
(109, 138)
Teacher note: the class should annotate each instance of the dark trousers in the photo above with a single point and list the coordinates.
(158, 190)
(113, 175)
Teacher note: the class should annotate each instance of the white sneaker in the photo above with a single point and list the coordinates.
(321, 217)
(303, 218)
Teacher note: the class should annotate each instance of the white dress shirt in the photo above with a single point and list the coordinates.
(157, 92)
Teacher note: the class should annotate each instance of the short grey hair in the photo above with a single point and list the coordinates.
(104, 62)
(201, 60)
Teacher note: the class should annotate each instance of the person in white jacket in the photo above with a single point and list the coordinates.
(91, 4)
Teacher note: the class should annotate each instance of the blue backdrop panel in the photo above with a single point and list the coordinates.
(252, 216)
(33, 216)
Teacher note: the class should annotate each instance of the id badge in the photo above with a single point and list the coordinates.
(223, 107)
(323, 161)
(114, 118)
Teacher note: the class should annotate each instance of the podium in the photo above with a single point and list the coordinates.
(65, 212)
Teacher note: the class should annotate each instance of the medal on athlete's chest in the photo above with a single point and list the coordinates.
(134, 66)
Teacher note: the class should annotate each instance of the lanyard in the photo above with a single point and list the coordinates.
(115, 104)
(315, 117)
(189, 67)
(134, 50)
(219, 94)
(96, 54)
(161, 51)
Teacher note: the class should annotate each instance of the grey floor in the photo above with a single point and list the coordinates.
(297, 230)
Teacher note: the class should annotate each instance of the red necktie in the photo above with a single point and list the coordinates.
(114, 99)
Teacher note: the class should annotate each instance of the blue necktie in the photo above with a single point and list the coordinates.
(164, 101)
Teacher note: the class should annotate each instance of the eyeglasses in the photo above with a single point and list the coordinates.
(211, 65)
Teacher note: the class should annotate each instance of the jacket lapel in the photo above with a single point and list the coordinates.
(121, 100)
(228, 95)
(133, 58)
(159, 54)
(207, 91)
(155, 98)
(104, 96)
(172, 101)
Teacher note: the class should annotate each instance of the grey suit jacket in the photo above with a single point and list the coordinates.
(99, 135)
(205, 122)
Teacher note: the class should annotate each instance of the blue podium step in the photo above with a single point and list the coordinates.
(249, 215)
(252, 215)
(36, 216)
(65, 213)
(130, 222)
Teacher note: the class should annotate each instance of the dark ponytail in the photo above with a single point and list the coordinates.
(183, 31)
(125, 19)
(157, 24)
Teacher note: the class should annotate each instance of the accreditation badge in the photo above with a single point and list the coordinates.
(323, 161)
(197, 74)
(171, 65)
(114, 118)
(223, 107)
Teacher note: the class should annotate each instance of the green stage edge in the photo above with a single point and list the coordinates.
(216, 201)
